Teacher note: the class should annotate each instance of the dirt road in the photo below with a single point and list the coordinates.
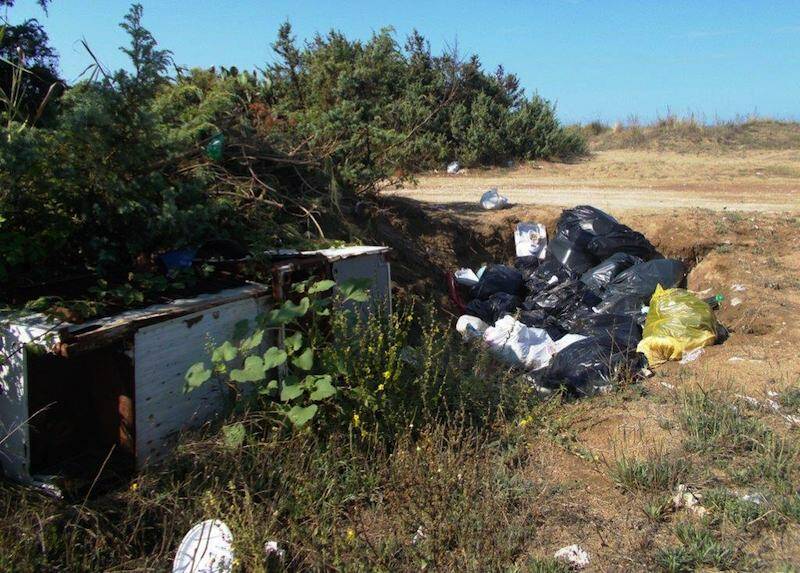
(764, 181)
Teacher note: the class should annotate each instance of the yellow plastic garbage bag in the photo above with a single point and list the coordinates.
(677, 322)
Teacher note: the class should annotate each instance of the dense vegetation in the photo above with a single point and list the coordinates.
(118, 169)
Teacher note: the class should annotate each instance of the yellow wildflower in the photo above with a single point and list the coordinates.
(387, 374)
(380, 387)
(351, 534)
(356, 420)
(134, 486)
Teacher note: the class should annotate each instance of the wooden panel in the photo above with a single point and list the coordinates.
(163, 353)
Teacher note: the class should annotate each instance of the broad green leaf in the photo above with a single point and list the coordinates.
(224, 353)
(196, 376)
(323, 388)
(300, 287)
(289, 311)
(293, 343)
(240, 329)
(305, 361)
(269, 388)
(252, 371)
(321, 286)
(291, 391)
(355, 289)
(234, 434)
(252, 341)
(300, 416)
(273, 357)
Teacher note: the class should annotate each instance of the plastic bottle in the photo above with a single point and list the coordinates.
(215, 146)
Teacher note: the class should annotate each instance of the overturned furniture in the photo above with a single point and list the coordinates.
(75, 398)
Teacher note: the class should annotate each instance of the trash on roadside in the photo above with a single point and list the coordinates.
(271, 549)
(574, 556)
(530, 240)
(498, 278)
(677, 322)
(471, 327)
(736, 287)
(493, 200)
(518, 344)
(206, 548)
(684, 498)
(571, 310)
(466, 277)
(756, 498)
(736, 301)
(453, 168)
(692, 355)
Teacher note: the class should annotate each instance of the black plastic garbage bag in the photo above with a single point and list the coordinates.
(498, 278)
(642, 279)
(621, 239)
(572, 255)
(580, 224)
(494, 307)
(622, 332)
(584, 366)
(527, 266)
(550, 273)
(563, 298)
(627, 304)
(599, 235)
(539, 318)
(598, 277)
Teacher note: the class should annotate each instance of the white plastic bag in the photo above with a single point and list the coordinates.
(470, 327)
(466, 277)
(493, 200)
(453, 168)
(518, 344)
(530, 240)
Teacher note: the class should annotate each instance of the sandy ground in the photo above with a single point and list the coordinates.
(761, 181)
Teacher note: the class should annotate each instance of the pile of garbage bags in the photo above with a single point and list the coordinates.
(594, 303)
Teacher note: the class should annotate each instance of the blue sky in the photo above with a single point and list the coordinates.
(597, 60)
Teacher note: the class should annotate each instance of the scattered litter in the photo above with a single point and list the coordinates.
(686, 499)
(466, 277)
(772, 405)
(756, 498)
(754, 402)
(493, 200)
(530, 240)
(741, 359)
(736, 287)
(271, 548)
(470, 327)
(419, 535)
(772, 394)
(574, 556)
(736, 301)
(678, 322)
(692, 355)
(206, 548)
(44, 484)
(792, 419)
(668, 386)
(453, 168)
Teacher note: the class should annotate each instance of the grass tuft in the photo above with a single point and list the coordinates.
(658, 472)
